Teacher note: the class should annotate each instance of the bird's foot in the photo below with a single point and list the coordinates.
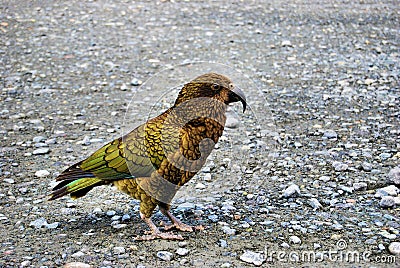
(159, 235)
(181, 226)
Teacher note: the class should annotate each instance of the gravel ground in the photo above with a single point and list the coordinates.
(313, 168)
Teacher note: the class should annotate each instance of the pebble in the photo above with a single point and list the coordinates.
(119, 250)
(42, 173)
(165, 255)
(207, 177)
(226, 265)
(291, 191)
(252, 257)
(314, 203)
(360, 186)
(8, 180)
(388, 235)
(227, 230)
(185, 206)
(394, 175)
(223, 243)
(110, 213)
(336, 227)
(38, 223)
(77, 265)
(330, 134)
(285, 245)
(40, 151)
(97, 211)
(136, 82)
(200, 186)
(25, 263)
(38, 139)
(42, 222)
(125, 217)
(119, 225)
(182, 244)
(182, 251)
(385, 156)
(294, 239)
(231, 122)
(387, 202)
(394, 248)
(366, 166)
(78, 254)
(339, 166)
(286, 43)
(388, 190)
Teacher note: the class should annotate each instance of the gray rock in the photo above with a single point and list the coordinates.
(231, 122)
(119, 250)
(182, 251)
(252, 257)
(394, 175)
(330, 134)
(336, 227)
(387, 202)
(387, 235)
(388, 190)
(53, 225)
(78, 254)
(346, 189)
(9, 180)
(38, 223)
(291, 191)
(394, 248)
(314, 203)
(385, 156)
(110, 213)
(125, 217)
(223, 243)
(227, 230)
(42, 173)
(366, 166)
(186, 206)
(360, 186)
(294, 239)
(339, 166)
(165, 255)
(40, 151)
(38, 139)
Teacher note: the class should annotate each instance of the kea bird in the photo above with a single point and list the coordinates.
(152, 161)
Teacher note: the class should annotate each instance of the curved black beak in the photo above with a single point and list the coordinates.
(236, 94)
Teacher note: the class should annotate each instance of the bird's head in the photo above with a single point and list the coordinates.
(211, 85)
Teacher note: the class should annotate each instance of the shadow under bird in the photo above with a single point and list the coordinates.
(152, 161)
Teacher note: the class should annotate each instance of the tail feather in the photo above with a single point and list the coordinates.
(76, 188)
(75, 182)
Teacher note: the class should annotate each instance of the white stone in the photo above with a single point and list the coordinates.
(182, 251)
(165, 255)
(253, 257)
(291, 191)
(394, 248)
(119, 250)
(42, 173)
(294, 239)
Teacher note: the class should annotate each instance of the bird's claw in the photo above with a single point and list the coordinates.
(159, 235)
(181, 227)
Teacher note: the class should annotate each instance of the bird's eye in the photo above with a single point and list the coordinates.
(215, 87)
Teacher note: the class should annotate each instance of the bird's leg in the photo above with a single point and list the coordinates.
(176, 223)
(155, 233)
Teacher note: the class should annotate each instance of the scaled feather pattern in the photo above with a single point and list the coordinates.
(152, 161)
